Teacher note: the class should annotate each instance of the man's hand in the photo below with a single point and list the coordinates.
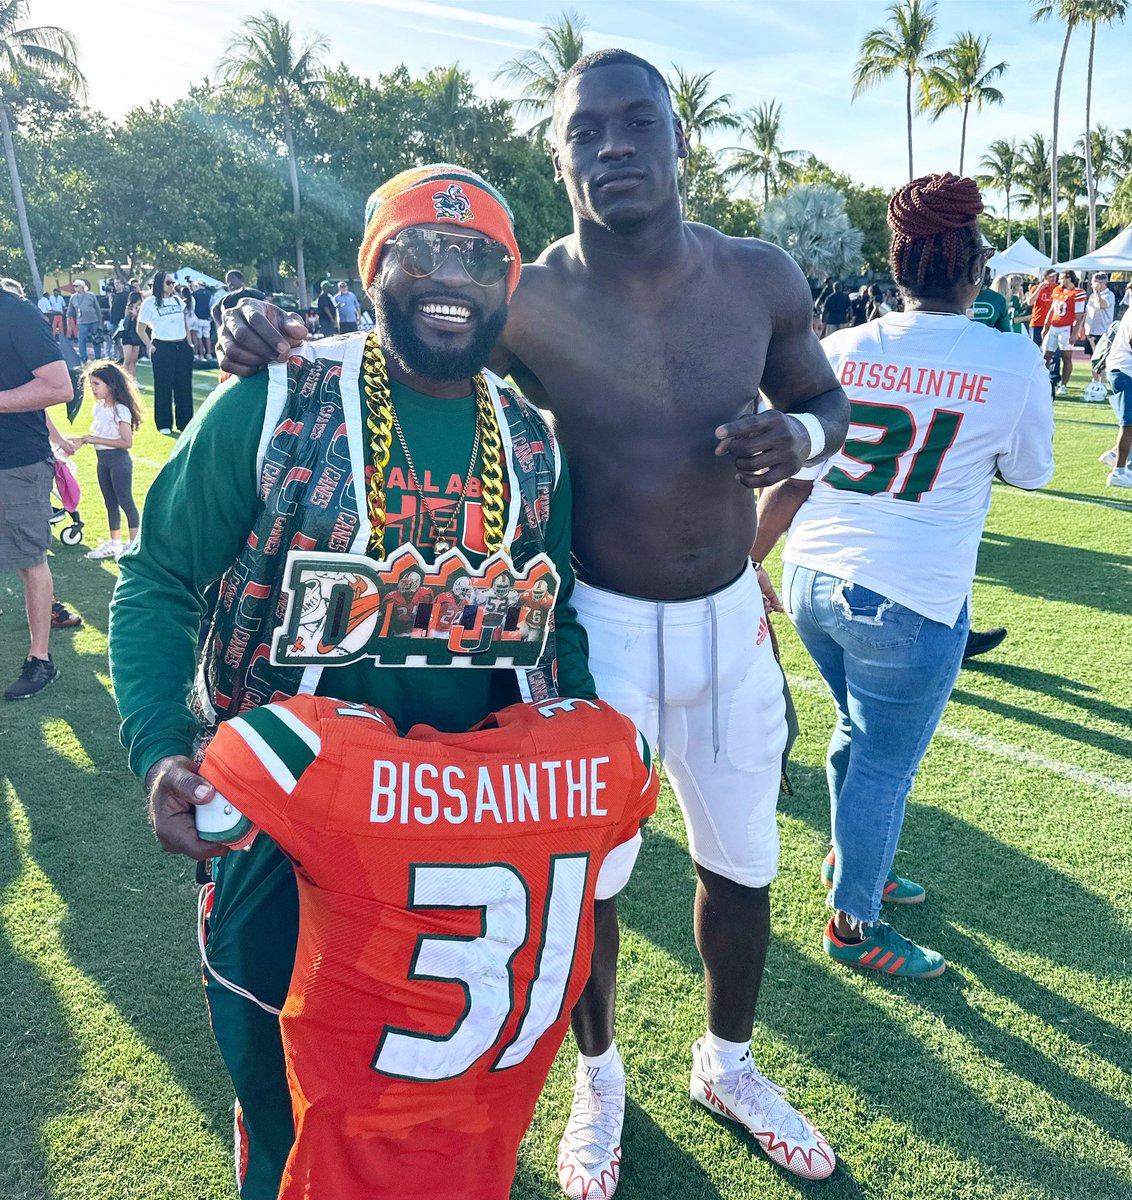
(255, 333)
(770, 596)
(765, 447)
(175, 790)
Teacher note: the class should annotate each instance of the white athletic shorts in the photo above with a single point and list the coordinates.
(200, 326)
(700, 680)
(1058, 338)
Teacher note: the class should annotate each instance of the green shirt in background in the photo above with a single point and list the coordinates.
(198, 514)
(990, 309)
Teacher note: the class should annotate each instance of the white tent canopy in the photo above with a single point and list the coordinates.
(1112, 256)
(1019, 259)
(193, 274)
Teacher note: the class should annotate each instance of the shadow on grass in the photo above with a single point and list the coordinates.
(1052, 572)
(1073, 731)
(37, 1051)
(834, 1025)
(130, 919)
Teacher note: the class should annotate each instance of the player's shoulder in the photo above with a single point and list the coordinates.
(765, 262)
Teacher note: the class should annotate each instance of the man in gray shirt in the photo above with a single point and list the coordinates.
(87, 315)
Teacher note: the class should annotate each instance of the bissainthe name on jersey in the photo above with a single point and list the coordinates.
(509, 793)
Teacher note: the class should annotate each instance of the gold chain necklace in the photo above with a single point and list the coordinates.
(443, 531)
(381, 421)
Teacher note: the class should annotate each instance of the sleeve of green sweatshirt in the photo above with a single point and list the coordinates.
(572, 646)
(198, 514)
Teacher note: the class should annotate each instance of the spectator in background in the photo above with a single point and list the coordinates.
(201, 320)
(1100, 310)
(878, 588)
(87, 315)
(163, 324)
(348, 309)
(130, 339)
(989, 307)
(327, 312)
(1119, 368)
(1020, 311)
(33, 378)
(835, 311)
(1039, 298)
(1064, 322)
(119, 298)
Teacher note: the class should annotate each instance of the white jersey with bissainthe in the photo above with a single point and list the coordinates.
(939, 405)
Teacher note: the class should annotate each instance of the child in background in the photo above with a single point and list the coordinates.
(115, 417)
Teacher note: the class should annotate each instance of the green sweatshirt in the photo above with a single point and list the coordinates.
(198, 514)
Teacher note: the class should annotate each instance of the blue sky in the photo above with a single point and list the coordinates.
(801, 54)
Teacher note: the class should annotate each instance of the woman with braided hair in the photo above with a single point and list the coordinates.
(883, 538)
(335, 499)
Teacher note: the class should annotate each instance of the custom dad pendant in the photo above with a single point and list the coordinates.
(405, 612)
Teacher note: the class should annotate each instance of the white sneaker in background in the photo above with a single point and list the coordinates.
(1108, 458)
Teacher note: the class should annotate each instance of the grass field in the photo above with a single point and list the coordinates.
(1009, 1077)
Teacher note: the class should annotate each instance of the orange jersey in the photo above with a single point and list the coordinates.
(1066, 305)
(446, 892)
(1040, 305)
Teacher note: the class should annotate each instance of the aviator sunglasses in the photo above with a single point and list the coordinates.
(422, 251)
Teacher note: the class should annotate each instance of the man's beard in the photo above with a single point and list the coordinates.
(399, 338)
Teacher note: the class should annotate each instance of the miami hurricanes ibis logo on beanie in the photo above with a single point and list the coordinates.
(452, 204)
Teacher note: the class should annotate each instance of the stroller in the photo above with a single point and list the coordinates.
(68, 493)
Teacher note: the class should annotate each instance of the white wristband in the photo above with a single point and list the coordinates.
(815, 431)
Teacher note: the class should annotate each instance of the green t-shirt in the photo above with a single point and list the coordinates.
(198, 514)
(990, 309)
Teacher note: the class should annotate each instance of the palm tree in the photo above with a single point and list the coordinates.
(1099, 149)
(1070, 11)
(697, 113)
(810, 224)
(1071, 180)
(536, 72)
(1034, 176)
(51, 52)
(1098, 12)
(451, 116)
(901, 45)
(264, 61)
(959, 77)
(764, 156)
(1003, 165)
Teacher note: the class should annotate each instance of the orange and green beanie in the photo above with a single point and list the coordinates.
(432, 195)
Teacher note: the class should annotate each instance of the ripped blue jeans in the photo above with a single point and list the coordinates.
(890, 672)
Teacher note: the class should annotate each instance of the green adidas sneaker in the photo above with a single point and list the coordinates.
(897, 889)
(884, 950)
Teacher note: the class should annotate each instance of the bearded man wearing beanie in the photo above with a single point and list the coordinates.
(391, 457)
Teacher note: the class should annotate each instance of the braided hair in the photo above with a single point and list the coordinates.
(935, 232)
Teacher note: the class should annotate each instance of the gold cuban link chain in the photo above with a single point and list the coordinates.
(381, 421)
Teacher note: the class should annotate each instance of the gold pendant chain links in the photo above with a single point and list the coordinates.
(443, 530)
(382, 421)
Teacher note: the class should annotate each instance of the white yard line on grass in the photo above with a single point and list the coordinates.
(1098, 503)
(1000, 749)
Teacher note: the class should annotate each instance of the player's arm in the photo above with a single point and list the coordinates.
(809, 414)
(198, 514)
(777, 507)
(254, 333)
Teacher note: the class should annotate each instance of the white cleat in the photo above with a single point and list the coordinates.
(753, 1101)
(1108, 459)
(1120, 477)
(589, 1155)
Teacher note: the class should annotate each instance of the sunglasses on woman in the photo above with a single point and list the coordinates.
(420, 253)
